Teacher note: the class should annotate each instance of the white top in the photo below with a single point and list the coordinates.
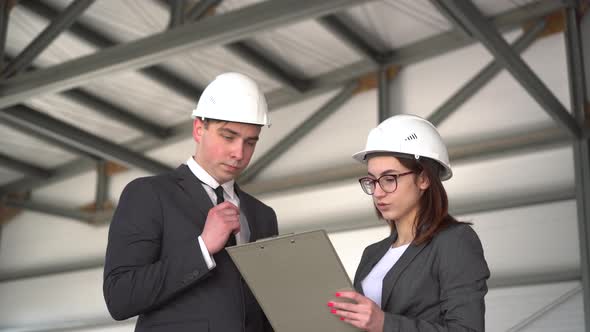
(373, 282)
(229, 194)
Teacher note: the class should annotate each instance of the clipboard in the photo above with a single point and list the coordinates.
(293, 277)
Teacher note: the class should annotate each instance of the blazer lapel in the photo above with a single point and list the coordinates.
(246, 208)
(197, 196)
(372, 259)
(393, 275)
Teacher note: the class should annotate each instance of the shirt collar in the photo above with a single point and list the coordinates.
(207, 179)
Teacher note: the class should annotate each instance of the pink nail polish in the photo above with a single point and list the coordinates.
(341, 318)
(338, 294)
(330, 304)
(333, 311)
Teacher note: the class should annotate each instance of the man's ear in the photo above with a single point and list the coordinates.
(198, 128)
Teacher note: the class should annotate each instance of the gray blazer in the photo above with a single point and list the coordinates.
(154, 267)
(435, 286)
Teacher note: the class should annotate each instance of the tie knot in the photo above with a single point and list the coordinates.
(219, 194)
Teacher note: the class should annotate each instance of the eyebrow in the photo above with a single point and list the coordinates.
(235, 133)
(387, 171)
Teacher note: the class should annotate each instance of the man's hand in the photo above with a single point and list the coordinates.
(364, 314)
(223, 221)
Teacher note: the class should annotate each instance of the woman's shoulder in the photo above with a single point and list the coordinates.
(457, 230)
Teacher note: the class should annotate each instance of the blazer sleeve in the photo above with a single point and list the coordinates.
(136, 278)
(462, 273)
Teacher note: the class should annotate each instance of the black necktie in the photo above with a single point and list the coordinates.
(231, 241)
(219, 194)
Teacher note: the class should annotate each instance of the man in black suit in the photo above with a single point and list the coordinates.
(165, 259)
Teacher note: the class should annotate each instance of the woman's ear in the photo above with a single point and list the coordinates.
(423, 181)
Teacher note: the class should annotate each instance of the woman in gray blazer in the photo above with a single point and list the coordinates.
(430, 273)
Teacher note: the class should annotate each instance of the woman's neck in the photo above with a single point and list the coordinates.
(405, 231)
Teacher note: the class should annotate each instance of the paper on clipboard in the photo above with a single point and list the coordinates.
(293, 277)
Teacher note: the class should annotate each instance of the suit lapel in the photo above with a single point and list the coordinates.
(393, 275)
(196, 194)
(246, 208)
(372, 259)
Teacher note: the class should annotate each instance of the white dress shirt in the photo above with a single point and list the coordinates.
(229, 194)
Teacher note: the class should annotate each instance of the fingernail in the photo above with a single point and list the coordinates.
(341, 318)
(338, 294)
(330, 304)
(333, 311)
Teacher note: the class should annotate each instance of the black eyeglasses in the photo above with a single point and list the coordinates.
(387, 182)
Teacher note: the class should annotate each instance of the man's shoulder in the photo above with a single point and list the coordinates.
(154, 180)
(251, 200)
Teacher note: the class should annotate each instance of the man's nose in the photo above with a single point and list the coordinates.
(237, 151)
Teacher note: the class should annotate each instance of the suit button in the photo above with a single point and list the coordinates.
(196, 273)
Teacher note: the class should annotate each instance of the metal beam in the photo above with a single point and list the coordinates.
(489, 36)
(23, 167)
(46, 37)
(200, 9)
(115, 112)
(215, 30)
(296, 134)
(384, 107)
(490, 71)
(455, 22)
(25, 129)
(80, 139)
(177, 8)
(577, 85)
(251, 53)
(544, 310)
(344, 29)
(415, 52)
(270, 65)
(158, 74)
(50, 209)
(544, 138)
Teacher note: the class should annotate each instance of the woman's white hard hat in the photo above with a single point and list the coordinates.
(233, 97)
(410, 135)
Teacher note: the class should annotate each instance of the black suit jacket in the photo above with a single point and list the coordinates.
(154, 267)
(436, 286)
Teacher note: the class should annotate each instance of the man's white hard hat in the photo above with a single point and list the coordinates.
(409, 135)
(233, 97)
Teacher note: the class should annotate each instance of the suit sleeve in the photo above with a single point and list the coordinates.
(462, 274)
(136, 278)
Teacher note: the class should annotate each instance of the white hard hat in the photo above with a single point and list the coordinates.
(408, 134)
(233, 97)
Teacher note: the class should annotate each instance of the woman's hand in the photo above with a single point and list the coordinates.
(364, 314)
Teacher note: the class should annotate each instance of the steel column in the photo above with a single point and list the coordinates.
(384, 107)
(577, 84)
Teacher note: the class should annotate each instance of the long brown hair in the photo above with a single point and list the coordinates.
(433, 206)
